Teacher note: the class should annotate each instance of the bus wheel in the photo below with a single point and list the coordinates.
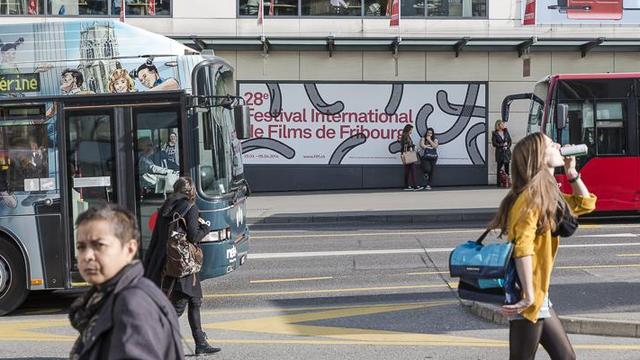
(13, 280)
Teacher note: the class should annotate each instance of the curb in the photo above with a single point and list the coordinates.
(571, 324)
(392, 217)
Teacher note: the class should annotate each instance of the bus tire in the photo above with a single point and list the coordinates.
(13, 278)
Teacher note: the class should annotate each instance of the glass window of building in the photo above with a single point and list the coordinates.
(412, 8)
(142, 7)
(271, 7)
(457, 8)
(21, 7)
(77, 7)
(331, 7)
(377, 7)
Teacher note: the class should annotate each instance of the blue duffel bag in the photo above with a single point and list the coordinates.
(487, 272)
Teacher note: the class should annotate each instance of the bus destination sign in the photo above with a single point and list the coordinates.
(11, 83)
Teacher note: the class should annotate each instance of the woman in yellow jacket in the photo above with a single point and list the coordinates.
(527, 216)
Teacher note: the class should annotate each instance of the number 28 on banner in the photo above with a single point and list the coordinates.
(255, 98)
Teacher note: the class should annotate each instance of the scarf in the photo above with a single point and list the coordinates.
(84, 311)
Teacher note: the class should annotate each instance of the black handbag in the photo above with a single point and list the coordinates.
(566, 224)
(430, 154)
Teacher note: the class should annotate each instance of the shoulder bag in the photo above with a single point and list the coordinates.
(409, 157)
(487, 272)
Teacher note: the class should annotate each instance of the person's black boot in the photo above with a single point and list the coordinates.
(202, 346)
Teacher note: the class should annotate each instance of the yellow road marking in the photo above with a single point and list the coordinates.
(428, 273)
(623, 255)
(598, 266)
(288, 325)
(25, 330)
(42, 312)
(295, 309)
(300, 292)
(292, 279)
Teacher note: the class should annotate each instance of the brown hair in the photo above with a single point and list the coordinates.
(530, 177)
(124, 224)
(184, 185)
(406, 132)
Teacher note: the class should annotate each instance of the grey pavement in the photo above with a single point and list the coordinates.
(473, 204)
(448, 205)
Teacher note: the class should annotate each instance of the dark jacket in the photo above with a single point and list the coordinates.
(502, 145)
(136, 321)
(156, 255)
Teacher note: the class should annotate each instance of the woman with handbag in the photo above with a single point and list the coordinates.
(185, 290)
(501, 140)
(429, 144)
(409, 159)
(533, 217)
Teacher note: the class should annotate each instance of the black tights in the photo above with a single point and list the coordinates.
(524, 337)
(180, 301)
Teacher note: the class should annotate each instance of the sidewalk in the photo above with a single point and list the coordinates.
(459, 204)
(444, 205)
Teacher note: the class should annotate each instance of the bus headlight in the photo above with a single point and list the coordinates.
(217, 235)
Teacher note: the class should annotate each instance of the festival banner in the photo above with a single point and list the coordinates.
(359, 123)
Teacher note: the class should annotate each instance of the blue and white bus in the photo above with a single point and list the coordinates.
(98, 111)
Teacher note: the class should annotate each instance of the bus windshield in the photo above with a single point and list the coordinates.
(537, 108)
(220, 154)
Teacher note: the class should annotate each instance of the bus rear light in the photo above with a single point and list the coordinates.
(217, 235)
(37, 282)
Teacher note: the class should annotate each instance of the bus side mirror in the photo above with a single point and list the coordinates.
(562, 114)
(241, 116)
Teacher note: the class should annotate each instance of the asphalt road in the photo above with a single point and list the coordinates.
(368, 292)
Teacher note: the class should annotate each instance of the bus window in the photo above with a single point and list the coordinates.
(27, 156)
(610, 128)
(215, 170)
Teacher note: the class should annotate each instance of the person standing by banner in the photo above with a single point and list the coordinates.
(409, 162)
(501, 140)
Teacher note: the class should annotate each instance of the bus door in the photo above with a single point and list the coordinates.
(608, 169)
(159, 158)
(91, 166)
(127, 155)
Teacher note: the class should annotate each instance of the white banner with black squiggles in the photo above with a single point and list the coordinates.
(359, 123)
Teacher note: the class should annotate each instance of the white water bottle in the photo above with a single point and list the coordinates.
(574, 150)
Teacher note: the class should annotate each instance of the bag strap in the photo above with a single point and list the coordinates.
(484, 235)
(179, 215)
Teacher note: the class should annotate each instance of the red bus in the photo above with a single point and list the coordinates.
(602, 111)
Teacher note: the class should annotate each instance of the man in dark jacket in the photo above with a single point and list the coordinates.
(123, 315)
(186, 290)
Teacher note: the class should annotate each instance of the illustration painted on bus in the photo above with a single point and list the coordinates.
(95, 64)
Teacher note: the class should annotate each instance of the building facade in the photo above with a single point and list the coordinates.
(330, 83)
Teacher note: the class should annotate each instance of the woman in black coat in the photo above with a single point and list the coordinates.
(501, 140)
(123, 315)
(186, 290)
